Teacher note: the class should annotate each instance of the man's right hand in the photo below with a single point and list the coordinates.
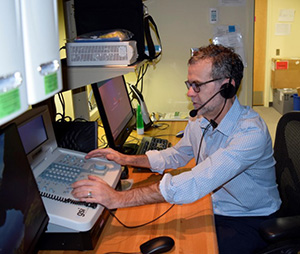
(109, 154)
(120, 158)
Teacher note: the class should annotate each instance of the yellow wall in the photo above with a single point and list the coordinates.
(288, 44)
(62, 40)
(259, 51)
(183, 25)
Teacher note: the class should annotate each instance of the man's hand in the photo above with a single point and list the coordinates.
(95, 190)
(120, 158)
(109, 154)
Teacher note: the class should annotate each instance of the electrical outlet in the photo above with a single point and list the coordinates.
(213, 15)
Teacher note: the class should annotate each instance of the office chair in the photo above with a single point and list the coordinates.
(283, 233)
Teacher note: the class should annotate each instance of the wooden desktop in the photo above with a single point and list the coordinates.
(191, 225)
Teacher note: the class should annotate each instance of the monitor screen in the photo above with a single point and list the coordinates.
(23, 217)
(33, 134)
(115, 110)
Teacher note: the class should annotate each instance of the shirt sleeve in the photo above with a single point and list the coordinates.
(174, 157)
(239, 152)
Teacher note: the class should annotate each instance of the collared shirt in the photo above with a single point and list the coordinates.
(235, 164)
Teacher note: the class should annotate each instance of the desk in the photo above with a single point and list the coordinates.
(191, 226)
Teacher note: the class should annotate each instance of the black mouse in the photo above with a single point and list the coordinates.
(157, 245)
(180, 134)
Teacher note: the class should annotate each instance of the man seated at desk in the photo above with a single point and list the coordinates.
(233, 152)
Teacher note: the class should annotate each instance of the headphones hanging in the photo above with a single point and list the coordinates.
(149, 24)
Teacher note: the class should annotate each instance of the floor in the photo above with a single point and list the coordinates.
(271, 117)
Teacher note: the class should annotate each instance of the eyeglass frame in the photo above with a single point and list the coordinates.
(196, 87)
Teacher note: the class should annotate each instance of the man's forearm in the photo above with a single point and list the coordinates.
(140, 196)
(137, 161)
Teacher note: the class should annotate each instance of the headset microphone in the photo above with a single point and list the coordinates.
(194, 112)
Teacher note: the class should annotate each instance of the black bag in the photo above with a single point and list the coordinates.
(97, 15)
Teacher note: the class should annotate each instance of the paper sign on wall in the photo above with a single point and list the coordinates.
(282, 65)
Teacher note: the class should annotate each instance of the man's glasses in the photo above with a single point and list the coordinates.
(196, 86)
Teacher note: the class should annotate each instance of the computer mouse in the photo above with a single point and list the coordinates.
(180, 134)
(157, 245)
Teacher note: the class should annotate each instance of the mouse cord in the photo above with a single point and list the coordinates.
(136, 226)
(114, 252)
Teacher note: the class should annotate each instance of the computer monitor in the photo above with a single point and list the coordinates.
(23, 217)
(115, 110)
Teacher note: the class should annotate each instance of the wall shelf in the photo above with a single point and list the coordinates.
(77, 77)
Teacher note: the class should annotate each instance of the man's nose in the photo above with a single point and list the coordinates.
(191, 92)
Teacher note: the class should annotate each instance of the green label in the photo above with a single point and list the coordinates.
(10, 102)
(51, 83)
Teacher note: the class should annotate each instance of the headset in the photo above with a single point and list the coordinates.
(228, 90)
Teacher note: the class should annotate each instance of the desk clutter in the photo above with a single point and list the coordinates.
(170, 116)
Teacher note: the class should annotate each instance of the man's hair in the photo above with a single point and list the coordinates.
(225, 62)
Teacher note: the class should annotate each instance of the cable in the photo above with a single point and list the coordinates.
(160, 126)
(162, 135)
(220, 111)
(140, 76)
(79, 119)
(114, 252)
(206, 129)
(122, 252)
(137, 226)
(204, 132)
(103, 142)
(63, 106)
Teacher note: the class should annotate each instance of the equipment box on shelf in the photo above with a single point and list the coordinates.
(283, 99)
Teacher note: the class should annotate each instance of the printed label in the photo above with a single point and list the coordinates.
(51, 83)
(10, 102)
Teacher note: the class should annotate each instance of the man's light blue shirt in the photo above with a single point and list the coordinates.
(236, 165)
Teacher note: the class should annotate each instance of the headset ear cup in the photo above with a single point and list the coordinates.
(227, 90)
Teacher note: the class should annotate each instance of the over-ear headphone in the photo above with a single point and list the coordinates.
(228, 90)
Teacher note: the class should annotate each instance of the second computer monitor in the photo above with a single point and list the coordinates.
(115, 110)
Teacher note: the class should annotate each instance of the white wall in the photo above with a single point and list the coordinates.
(183, 25)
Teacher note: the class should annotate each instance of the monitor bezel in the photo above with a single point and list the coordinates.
(50, 144)
(119, 141)
(35, 238)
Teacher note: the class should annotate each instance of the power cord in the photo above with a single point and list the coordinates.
(140, 225)
(161, 126)
(140, 76)
(122, 252)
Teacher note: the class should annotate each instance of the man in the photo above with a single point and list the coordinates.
(233, 152)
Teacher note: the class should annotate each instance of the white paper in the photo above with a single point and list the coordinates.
(286, 15)
(282, 29)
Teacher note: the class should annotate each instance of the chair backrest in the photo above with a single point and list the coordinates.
(287, 156)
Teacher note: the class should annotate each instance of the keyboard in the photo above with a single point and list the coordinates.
(55, 181)
(54, 176)
(152, 143)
